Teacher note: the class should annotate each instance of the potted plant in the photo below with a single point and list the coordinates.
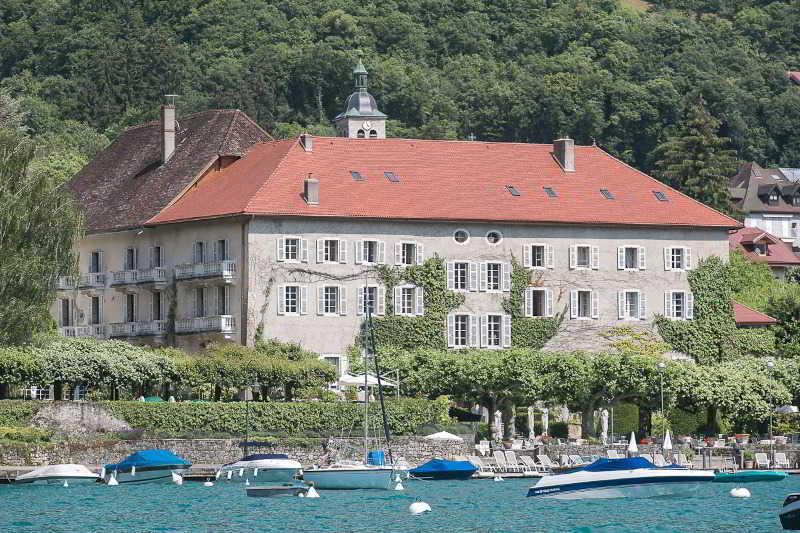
(749, 458)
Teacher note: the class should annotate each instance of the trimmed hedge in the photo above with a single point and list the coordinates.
(322, 418)
(25, 434)
(17, 413)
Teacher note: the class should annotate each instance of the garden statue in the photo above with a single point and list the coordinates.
(604, 426)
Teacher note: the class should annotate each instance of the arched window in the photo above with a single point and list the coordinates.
(360, 134)
(373, 134)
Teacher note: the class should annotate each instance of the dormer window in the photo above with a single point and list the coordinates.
(373, 134)
(773, 197)
(360, 134)
(796, 200)
(760, 248)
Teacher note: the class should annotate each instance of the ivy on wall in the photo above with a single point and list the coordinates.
(527, 332)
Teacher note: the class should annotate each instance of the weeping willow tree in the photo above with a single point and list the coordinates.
(38, 226)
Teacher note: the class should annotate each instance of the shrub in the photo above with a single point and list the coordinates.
(17, 413)
(25, 434)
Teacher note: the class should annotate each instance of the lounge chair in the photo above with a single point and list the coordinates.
(761, 460)
(682, 461)
(502, 464)
(528, 461)
(577, 460)
(516, 444)
(564, 460)
(480, 465)
(658, 460)
(613, 454)
(781, 461)
(729, 464)
(483, 447)
(647, 456)
(546, 462)
(512, 462)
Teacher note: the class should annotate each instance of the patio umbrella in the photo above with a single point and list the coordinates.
(531, 422)
(667, 442)
(443, 435)
(632, 448)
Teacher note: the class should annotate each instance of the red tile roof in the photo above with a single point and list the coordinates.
(779, 253)
(745, 316)
(439, 180)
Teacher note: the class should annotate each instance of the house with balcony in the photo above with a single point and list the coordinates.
(210, 230)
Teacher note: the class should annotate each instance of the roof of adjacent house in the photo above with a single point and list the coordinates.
(752, 184)
(779, 253)
(439, 180)
(794, 76)
(745, 316)
(126, 184)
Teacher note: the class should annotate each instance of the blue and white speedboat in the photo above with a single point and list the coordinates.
(620, 478)
(146, 465)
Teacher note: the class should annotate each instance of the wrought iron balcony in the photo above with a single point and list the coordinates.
(225, 269)
(92, 280)
(97, 331)
(219, 323)
(156, 275)
(145, 328)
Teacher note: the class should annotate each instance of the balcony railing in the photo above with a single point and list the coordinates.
(142, 275)
(66, 283)
(139, 329)
(92, 280)
(214, 269)
(94, 330)
(220, 323)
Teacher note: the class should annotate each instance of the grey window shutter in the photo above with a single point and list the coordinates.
(550, 255)
(420, 253)
(573, 304)
(342, 300)
(321, 301)
(667, 259)
(595, 305)
(474, 334)
(529, 302)
(320, 250)
(483, 276)
(506, 331)
(359, 249)
(642, 258)
(620, 257)
(227, 293)
(642, 306)
(668, 304)
(687, 258)
(304, 250)
(420, 300)
(282, 300)
(473, 276)
(484, 331)
(526, 256)
(361, 298)
(451, 275)
(573, 257)
(689, 305)
(621, 304)
(398, 253)
(280, 251)
(451, 331)
(548, 302)
(398, 293)
(595, 257)
(506, 272)
(381, 252)
(303, 300)
(342, 251)
(381, 307)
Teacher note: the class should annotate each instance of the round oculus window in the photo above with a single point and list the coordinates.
(494, 237)
(461, 236)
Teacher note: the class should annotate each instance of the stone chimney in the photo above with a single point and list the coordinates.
(167, 132)
(564, 151)
(311, 190)
(307, 142)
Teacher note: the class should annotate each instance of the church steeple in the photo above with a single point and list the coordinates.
(361, 118)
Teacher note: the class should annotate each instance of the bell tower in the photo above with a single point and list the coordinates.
(361, 118)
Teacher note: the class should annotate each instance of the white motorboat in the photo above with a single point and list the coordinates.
(620, 478)
(267, 467)
(69, 474)
(351, 475)
(146, 465)
(790, 514)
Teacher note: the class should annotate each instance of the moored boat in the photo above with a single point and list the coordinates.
(347, 475)
(267, 467)
(790, 514)
(444, 469)
(285, 489)
(749, 476)
(619, 478)
(146, 465)
(70, 474)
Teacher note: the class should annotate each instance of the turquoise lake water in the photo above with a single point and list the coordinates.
(483, 505)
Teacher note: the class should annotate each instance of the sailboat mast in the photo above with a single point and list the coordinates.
(366, 385)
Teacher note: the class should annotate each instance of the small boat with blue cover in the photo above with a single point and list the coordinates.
(444, 469)
(619, 478)
(146, 465)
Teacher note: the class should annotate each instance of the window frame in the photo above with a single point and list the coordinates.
(327, 246)
(466, 241)
(499, 234)
(336, 298)
(578, 265)
(499, 265)
(456, 265)
(497, 319)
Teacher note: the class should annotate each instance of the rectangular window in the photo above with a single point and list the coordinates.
(291, 249)
(95, 263)
(222, 300)
(331, 254)
(156, 260)
(494, 276)
(584, 304)
(199, 302)
(494, 331)
(631, 258)
(409, 253)
(370, 251)
(336, 362)
(631, 305)
(583, 256)
(538, 256)
(130, 259)
(678, 304)
(95, 317)
(157, 315)
(407, 300)
(331, 300)
(461, 331)
(291, 299)
(461, 276)
(65, 313)
(130, 308)
(199, 252)
(538, 302)
(760, 248)
(221, 250)
(370, 300)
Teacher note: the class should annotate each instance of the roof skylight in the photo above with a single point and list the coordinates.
(606, 194)
(513, 190)
(357, 175)
(550, 192)
(660, 196)
(391, 176)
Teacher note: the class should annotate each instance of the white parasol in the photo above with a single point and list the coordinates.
(443, 435)
(667, 441)
(531, 422)
(604, 425)
(632, 448)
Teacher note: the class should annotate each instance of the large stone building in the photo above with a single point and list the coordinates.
(207, 229)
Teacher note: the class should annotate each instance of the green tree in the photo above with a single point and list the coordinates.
(786, 309)
(697, 160)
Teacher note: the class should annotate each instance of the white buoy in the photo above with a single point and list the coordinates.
(312, 493)
(241, 472)
(112, 481)
(208, 484)
(301, 495)
(66, 484)
(419, 508)
(497, 477)
(247, 482)
(230, 474)
(177, 479)
(133, 470)
(740, 492)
